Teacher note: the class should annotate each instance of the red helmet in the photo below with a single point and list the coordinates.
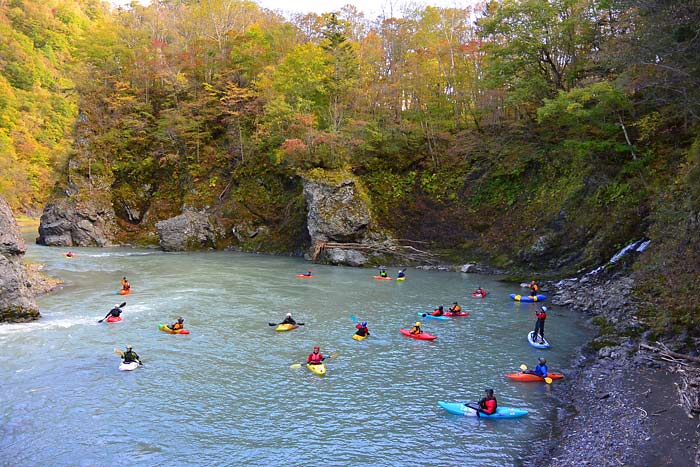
(317, 347)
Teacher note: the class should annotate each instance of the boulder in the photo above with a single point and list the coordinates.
(16, 298)
(468, 268)
(69, 222)
(337, 212)
(349, 257)
(189, 231)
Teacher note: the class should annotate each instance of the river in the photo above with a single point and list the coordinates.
(226, 395)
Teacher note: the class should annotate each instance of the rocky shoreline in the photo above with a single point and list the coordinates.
(620, 406)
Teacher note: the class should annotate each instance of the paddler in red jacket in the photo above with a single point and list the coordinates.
(488, 404)
(315, 357)
(539, 324)
(438, 311)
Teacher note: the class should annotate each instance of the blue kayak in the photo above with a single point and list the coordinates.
(537, 344)
(429, 316)
(528, 298)
(461, 408)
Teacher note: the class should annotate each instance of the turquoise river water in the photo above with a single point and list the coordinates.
(226, 395)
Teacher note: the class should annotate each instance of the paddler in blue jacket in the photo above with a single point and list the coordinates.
(540, 369)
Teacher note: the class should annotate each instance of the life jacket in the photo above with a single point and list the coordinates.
(490, 406)
(177, 326)
(415, 330)
(541, 370)
(456, 309)
(535, 288)
(315, 358)
(383, 274)
(115, 312)
(130, 356)
(436, 313)
(362, 330)
(541, 315)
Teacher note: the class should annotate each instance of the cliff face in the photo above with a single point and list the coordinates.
(16, 299)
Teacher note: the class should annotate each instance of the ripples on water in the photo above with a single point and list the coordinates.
(225, 394)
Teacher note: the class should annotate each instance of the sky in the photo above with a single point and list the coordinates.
(371, 8)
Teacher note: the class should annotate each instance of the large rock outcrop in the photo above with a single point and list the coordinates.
(340, 221)
(188, 231)
(16, 298)
(68, 222)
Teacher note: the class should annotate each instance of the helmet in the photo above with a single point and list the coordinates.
(417, 323)
(544, 308)
(116, 305)
(489, 391)
(181, 319)
(128, 347)
(454, 303)
(542, 360)
(289, 315)
(364, 323)
(317, 347)
(440, 308)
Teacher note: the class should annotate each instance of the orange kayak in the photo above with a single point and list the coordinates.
(527, 377)
(124, 292)
(380, 278)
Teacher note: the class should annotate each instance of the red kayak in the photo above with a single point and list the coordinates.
(459, 313)
(527, 377)
(380, 278)
(423, 336)
(302, 276)
(478, 295)
(114, 319)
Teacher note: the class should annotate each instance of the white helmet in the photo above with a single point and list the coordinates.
(289, 315)
(116, 306)
(544, 308)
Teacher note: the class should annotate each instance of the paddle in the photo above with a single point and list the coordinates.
(357, 320)
(298, 365)
(277, 324)
(120, 306)
(547, 380)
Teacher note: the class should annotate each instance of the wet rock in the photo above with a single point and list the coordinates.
(349, 257)
(16, 297)
(69, 222)
(188, 231)
(468, 268)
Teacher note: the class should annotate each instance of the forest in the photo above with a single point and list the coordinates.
(536, 135)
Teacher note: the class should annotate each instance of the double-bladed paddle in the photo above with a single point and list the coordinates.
(547, 380)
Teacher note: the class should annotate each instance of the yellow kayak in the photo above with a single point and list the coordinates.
(400, 279)
(359, 338)
(286, 327)
(319, 369)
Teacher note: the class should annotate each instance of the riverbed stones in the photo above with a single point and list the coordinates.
(16, 298)
(190, 230)
(69, 222)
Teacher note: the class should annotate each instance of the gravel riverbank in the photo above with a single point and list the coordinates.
(619, 407)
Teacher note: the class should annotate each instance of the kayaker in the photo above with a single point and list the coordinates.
(534, 288)
(455, 308)
(362, 330)
(315, 357)
(401, 273)
(539, 324)
(416, 329)
(438, 311)
(69, 254)
(131, 356)
(177, 325)
(308, 273)
(480, 291)
(125, 284)
(540, 369)
(288, 319)
(488, 404)
(382, 272)
(116, 311)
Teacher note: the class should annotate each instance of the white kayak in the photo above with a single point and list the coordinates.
(128, 366)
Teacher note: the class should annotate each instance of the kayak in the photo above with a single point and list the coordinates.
(459, 313)
(359, 338)
(286, 327)
(527, 377)
(165, 328)
(400, 279)
(319, 369)
(302, 276)
(423, 336)
(429, 316)
(537, 345)
(460, 408)
(128, 366)
(478, 295)
(528, 298)
(114, 319)
(124, 292)
(380, 278)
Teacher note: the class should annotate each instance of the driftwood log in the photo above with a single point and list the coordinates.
(406, 253)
